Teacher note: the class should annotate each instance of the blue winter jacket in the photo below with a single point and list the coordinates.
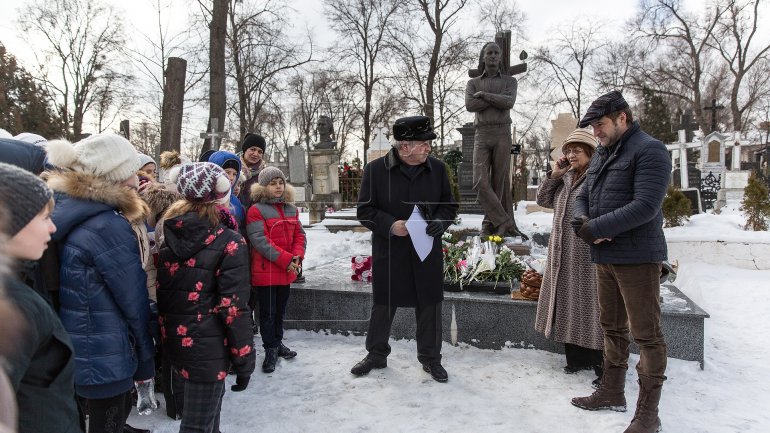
(622, 195)
(236, 207)
(103, 293)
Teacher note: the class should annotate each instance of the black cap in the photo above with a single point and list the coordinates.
(253, 140)
(602, 106)
(205, 155)
(414, 128)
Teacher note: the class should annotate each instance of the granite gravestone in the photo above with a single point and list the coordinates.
(298, 172)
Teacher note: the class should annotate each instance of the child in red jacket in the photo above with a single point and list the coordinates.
(278, 247)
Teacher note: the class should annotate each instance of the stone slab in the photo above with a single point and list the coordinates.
(329, 300)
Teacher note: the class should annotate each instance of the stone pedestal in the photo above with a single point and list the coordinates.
(323, 163)
(735, 182)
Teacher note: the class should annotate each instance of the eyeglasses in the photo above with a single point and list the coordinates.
(575, 151)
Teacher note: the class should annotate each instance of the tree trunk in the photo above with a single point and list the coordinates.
(217, 35)
(173, 105)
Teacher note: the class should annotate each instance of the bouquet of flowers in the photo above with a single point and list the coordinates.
(362, 268)
(471, 261)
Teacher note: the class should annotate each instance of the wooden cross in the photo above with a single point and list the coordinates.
(215, 136)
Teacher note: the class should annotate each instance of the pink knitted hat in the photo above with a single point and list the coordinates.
(203, 182)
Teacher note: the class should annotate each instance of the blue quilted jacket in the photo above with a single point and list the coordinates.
(622, 195)
(104, 300)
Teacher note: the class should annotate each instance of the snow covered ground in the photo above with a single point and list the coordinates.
(511, 390)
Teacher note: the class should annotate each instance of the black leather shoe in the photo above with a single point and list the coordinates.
(436, 371)
(286, 353)
(572, 369)
(367, 364)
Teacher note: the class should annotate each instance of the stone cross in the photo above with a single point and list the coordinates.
(214, 135)
(681, 146)
(737, 142)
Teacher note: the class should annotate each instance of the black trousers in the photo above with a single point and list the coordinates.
(272, 309)
(106, 415)
(428, 334)
(579, 356)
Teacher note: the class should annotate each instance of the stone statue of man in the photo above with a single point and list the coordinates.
(491, 96)
(325, 130)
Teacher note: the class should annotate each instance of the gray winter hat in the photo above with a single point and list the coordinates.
(23, 194)
(269, 173)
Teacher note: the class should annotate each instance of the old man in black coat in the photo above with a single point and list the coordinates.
(390, 189)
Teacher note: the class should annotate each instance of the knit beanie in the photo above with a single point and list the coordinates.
(253, 140)
(202, 182)
(23, 194)
(108, 156)
(269, 173)
(145, 159)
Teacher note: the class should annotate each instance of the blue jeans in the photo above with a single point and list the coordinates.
(272, 309)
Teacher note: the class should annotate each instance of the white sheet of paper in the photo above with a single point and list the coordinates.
(422, 242)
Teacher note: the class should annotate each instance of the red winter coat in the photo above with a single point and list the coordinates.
(276, 235)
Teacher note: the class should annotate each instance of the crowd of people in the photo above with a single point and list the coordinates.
(119, 272)
(124, 272)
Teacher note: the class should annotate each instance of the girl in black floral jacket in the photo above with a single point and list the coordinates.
(203, 293)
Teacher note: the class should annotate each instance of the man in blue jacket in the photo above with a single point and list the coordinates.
(618, 213)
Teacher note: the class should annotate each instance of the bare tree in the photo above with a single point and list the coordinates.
(568, 63)
(503, 15)
(260, 52)
(431, 59)
(81, 55)
(681, 43)
(339, 100)
(363, 27)
(733, 39)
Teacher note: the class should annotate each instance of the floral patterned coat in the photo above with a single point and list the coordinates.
(568, 307)
(203, 294)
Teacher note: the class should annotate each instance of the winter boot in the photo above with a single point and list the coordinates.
(286, 353)
(271, 358)
(646, 416)
(611, 392)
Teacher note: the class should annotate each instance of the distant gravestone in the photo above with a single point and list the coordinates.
(561, 127)
(735, 182)
(693, 195)
(380, 144)
(298, 172)
(468, 199)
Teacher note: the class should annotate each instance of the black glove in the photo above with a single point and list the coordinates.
(434, 228)
(577, 223)
(585, 233)
(241, 382)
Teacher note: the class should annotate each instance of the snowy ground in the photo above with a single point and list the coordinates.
(509, 390)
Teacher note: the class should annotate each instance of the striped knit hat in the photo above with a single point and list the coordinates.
(202, 182)
(582, 136)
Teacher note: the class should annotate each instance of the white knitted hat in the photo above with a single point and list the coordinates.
(145, 159)
(108, 156)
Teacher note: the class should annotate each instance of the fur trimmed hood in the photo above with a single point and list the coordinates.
(88, 187)
(259, 194)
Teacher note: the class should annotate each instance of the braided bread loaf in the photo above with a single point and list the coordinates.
(530, 284)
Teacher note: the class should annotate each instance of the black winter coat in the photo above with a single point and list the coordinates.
(42, 368)
(203, 293)
(388, 194)
(622, 195)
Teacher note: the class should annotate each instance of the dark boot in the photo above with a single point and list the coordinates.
(598, 381)
(437, 372)
(128, 429)
(367, 364)
(611, 392)
(286, 353)
(271, 358)
(646, 418)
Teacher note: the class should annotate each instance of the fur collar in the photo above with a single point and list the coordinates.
(92, 188)
(259, 194)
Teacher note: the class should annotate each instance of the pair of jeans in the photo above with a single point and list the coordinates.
(428, 334)
(629, 299)
(272, 310)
